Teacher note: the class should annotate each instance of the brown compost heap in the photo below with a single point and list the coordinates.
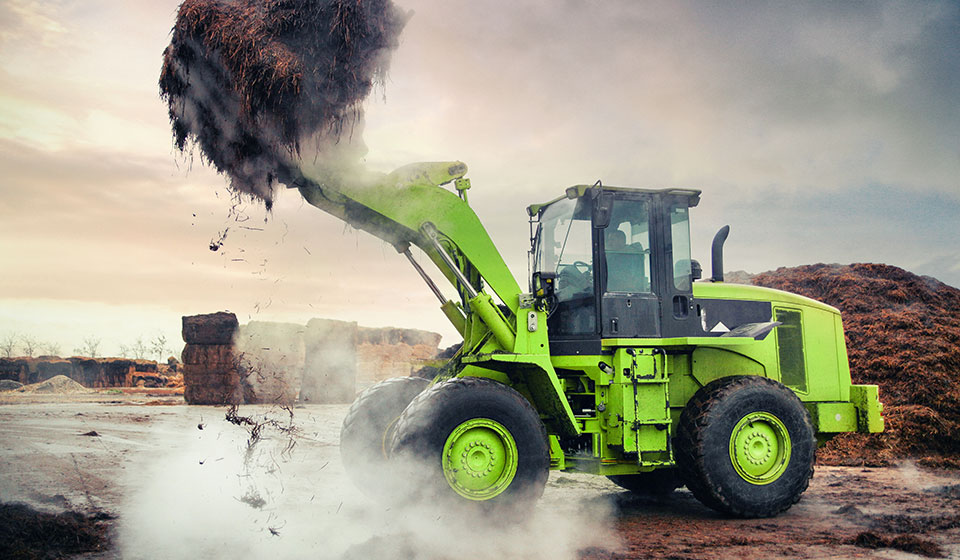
(252, 83)
(903, 334)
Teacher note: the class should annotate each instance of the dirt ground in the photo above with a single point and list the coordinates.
(158, 474)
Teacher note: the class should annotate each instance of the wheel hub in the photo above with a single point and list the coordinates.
(757, 448)
(480, 459)
(760, 448)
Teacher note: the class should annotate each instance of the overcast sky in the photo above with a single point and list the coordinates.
(821, 132)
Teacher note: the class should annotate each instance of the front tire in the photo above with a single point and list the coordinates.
(367, 429)
(745, 446)
(475, 441)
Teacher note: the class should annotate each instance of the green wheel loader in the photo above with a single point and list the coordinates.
(618, 359)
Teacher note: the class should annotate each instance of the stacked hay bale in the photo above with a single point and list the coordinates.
(270, 357)
(210, 374)
(15, 369)
(388, 352)
(330, 368)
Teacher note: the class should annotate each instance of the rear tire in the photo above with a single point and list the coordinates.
(473, 441)
(367, 430)
(745, 446)
(660, 482)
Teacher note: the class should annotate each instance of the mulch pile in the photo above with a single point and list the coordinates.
(27, 534)
(903, 334)
(250, 81)
(59, 384)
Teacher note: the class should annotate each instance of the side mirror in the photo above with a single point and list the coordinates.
(544, 284)
(602, 209)
(696, 271)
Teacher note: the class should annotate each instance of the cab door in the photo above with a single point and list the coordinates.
(674, 265)
(629, 306)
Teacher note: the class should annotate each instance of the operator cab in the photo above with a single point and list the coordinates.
(618, 262)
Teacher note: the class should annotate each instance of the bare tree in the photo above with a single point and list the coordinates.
(159, 346)
(140, 349)
(90, 347)
(30, 345)
(9, 343)
(50, 348)
(124, 351)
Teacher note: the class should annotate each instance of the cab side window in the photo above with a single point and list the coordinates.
(627, 248)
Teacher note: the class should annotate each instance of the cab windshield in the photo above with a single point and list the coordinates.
(563, 245)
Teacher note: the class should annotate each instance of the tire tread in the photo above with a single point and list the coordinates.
(691, 453)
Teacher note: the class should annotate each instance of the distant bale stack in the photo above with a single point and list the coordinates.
(48, 370)
(391, 352)
(210, 374)
(86, 371)
(270, 357)
(330, 367)
(14, 369)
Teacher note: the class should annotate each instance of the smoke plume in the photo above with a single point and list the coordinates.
(218, 492)
(256, 84)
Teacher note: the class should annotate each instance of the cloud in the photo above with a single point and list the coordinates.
(875, 223)
(766, 96)
(22, 19)
(819, 131)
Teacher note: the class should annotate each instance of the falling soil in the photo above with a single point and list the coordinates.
(250, 81)
(27, 534)
(256, 426)
(903, 334)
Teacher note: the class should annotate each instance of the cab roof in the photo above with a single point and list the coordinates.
(576, 191)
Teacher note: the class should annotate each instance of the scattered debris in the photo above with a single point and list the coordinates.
(948, 491)
(848, 509)
(91, 433)
(256, 427)
(253, 499)
(906, 543)
(215, 244)
(900, 523)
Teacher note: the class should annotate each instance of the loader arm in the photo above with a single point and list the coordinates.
(397, 206)
(409, 207)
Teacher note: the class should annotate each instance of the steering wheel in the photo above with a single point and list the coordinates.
(578, 264)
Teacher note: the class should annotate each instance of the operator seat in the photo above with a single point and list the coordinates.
(626, 270)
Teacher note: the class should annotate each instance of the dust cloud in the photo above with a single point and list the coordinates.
(211, 494)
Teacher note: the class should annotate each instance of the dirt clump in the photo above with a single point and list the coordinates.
(903, 334)
(907, 543)
(249, 81)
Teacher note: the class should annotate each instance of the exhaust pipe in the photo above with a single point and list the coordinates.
(716, 254)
